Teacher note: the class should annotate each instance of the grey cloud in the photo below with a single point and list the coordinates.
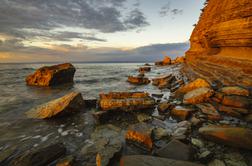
(102, 15)
(136, 19)
(167, 10)
(176, 11)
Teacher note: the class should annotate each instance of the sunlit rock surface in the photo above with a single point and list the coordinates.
(221, 43)
(69, 103)
(52, 75)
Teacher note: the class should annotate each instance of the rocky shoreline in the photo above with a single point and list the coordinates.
(189, 122)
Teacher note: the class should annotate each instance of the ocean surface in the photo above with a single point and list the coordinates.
(18, 133)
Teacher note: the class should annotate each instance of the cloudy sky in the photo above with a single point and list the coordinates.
(95, 30)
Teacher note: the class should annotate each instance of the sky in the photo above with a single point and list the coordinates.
(95, 30)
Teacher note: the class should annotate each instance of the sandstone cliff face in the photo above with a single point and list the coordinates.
(221, 43)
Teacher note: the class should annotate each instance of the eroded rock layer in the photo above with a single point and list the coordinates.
(221, 43)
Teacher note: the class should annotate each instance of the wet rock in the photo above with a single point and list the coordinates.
(236, 101)
(140, 135)
(69, 103)
(197, 96)
(209, 110)
(166, 61)
(160, 95)
(142, 160)
(232, 111)
(105, 142)
(90, 103)
(198, 83)
(40, 157)
(164, 107)
(206, 156)
(160, 133)
(126, 101)
(143, 117)
(138, 80)
(218, 97)
(144, 69)
(52, 75)
(216, 162)
(233, 136)
(66, 161)
(181, 113)
(163, 81)
(195, 121)
(197, 142)
(181, 129)
(234, 159)
(235, 90)
(176, 150)
(147, 64)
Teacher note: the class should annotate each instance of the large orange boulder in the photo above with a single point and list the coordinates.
(198, 83)
(52, 75)
(69, 103)
(234, 90)
(178, 60)
(126, 101)
(198, 96)
(233, 136)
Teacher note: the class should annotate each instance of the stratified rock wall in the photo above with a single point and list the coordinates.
(221, 43)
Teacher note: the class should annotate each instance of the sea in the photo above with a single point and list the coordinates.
(19, 133)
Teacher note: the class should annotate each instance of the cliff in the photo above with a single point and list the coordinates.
(221, 43)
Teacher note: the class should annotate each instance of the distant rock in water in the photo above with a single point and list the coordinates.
(52, 75)
(69, 103)
(166, 61)
(221, 43)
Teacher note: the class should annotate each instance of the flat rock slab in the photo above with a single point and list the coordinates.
(52, 75)
(237, 101)
(69, 103)
(176, 150)
(198, 83)
(126, 101)
(141, 135)
(40, 157)
(143, 160)
(235, 90)
(233, 136)
(198, 96)
(138, 80)
(181, 113)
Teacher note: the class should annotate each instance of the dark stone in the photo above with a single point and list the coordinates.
(90, 103)
(176, 150)
(40, 157)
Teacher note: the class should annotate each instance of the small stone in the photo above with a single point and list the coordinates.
(234, 159)
(181, 113)
(164, 107)
(160, 133)
(143, 117)
(216, 162)
(66, 161)
(206, 156)
(197, 142)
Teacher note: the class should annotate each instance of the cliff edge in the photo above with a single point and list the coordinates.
(221, 43)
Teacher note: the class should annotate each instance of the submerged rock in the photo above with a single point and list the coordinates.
(52, 75)
(140, 135)
(142, 160)
(40, 157)
(69, 103)
(138, 80)
(233, 136)
(126, 101)
(235, 90)
(197, 96)
(176, 150)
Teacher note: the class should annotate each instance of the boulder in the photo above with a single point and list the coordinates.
(235, 90)
(237, 101)
(166, 61)
(233, 136)
(210, 111)
(163, 81)
(104, 144)
(181, 113)
(197, 96)
(232, 111)
(138, 80)
(164, 107)
(180, 59)
(126, 101)
(67, 104)
(198, 83)
(140, 134)
(52, 75)
(40, 157)
(143, 160)
(144, 69)
(176, 150)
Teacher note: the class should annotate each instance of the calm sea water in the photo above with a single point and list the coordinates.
(18, 133)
